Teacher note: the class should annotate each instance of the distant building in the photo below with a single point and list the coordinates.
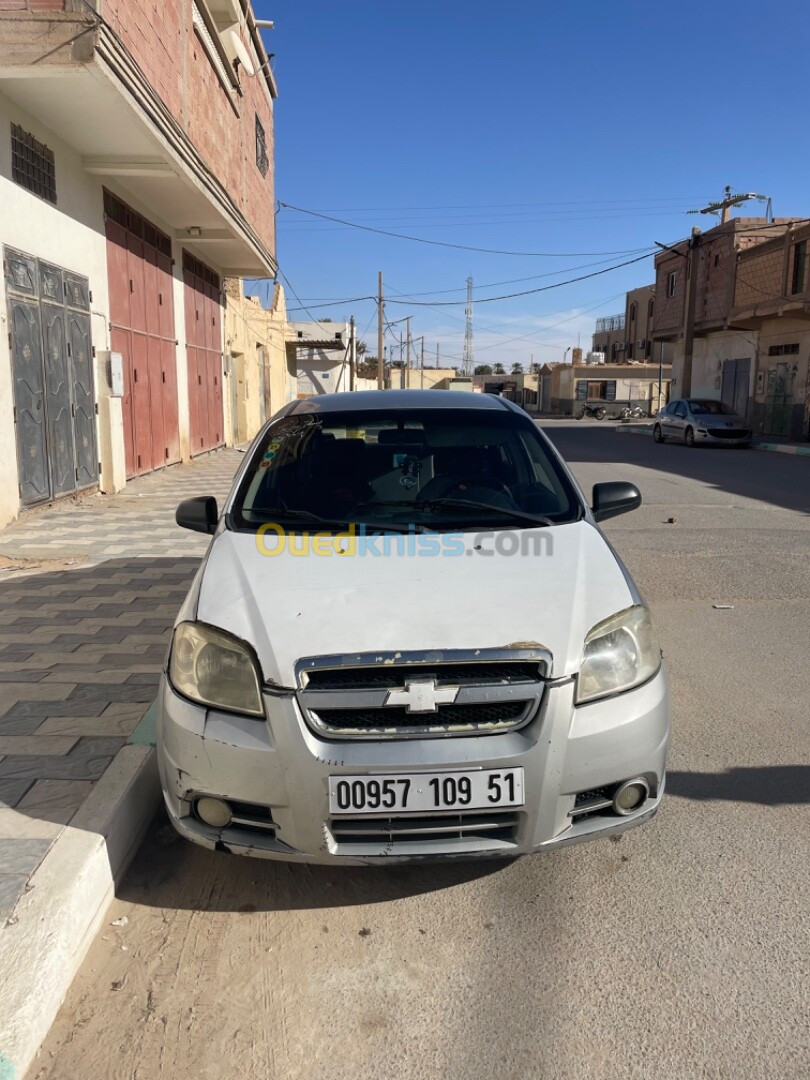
(628, 336)
(259, 378)
(612, 385)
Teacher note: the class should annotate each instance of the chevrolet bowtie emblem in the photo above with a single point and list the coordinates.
(422, 696)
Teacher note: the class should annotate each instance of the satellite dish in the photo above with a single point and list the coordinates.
(236, 50)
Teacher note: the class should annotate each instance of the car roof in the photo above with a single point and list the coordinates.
(399, 400)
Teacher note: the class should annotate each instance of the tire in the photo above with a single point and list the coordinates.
(600, 414)
(625, 414)
(658, 435)
(689, 437)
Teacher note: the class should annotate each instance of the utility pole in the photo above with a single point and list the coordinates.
(437, 356)
(685, 388)
(352, 352)
(406, 378)
(724, 206)
(380, 327)
(422, 366)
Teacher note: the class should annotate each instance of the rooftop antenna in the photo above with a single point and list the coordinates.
(468, 362)
(722, 208)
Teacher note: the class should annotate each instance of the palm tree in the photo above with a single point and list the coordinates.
(498, 369)
(517, 368)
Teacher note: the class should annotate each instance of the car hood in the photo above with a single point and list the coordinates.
(291, 606)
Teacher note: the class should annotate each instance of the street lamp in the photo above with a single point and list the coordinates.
(565, 354)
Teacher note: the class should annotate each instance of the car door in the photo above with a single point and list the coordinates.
(680, 420)
(666, 418)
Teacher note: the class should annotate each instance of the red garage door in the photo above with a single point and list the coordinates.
(204, 348)
(139, 263)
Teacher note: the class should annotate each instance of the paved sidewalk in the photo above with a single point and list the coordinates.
(88, 592)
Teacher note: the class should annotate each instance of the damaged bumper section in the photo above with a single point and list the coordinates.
(266, 788)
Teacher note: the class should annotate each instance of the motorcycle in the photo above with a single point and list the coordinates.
(634, 412)
(598, 412)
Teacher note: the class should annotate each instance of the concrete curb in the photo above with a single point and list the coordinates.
(44, 942)
(780, 448)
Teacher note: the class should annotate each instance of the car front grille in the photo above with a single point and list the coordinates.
(424, 695)
(729, 433)
(396, 718)
(506, 673)
(439, 833)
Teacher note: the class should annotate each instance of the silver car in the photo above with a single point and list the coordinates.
(409, 639)
(699, 421)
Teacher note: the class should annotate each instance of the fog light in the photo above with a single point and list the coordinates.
(214, 812)
(630, 795)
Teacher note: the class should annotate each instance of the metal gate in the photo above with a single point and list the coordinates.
(52, 374)
(736, 379)
(139, 271)
(779, 400)
(204, 350)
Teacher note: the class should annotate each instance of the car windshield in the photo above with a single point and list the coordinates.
(436, 469)
(716, 408)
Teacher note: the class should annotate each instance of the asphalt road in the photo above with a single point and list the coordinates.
(680, 951)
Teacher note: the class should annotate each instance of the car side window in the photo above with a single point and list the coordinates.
(681, 410)
(670, 410)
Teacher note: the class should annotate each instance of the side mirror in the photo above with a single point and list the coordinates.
(199, 515)
(610, 500)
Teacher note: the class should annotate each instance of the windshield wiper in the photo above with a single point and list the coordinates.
(466, 504)
(292, 514)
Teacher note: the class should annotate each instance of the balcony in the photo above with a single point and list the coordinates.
(67, 68)
(609, 323)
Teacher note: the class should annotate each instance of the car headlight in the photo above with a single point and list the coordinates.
(619, 653)
(216, 669)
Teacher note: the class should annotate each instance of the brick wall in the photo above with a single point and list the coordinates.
(765, 274)
(760, 274)
(669, 310)
(161, 37)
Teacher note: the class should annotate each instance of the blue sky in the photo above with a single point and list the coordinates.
(525, 126)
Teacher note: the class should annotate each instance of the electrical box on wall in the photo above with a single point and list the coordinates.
(114, 372)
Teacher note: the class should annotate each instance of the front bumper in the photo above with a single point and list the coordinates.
(280, 765)
(710, 437)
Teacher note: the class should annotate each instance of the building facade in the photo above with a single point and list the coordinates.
(612, 385)
(751, 321)
(629, 336)
(258, 378)
(136, 173)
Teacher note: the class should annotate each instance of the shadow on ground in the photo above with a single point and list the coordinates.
(170, 872)
(777, 479)
(770, 785)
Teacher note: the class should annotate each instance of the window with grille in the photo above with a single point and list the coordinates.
(262, 160)
(32, 164)
(784, 350)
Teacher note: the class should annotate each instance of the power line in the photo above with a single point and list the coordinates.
(458, 247)
(526, 292)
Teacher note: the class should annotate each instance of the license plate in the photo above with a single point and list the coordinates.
(425, 792)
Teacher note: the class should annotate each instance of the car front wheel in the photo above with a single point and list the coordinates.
(658, 435)
(689, 437)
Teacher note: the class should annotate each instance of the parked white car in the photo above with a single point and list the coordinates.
(697, 421)
(459, 666)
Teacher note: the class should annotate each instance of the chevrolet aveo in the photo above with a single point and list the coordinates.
(409, 639)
